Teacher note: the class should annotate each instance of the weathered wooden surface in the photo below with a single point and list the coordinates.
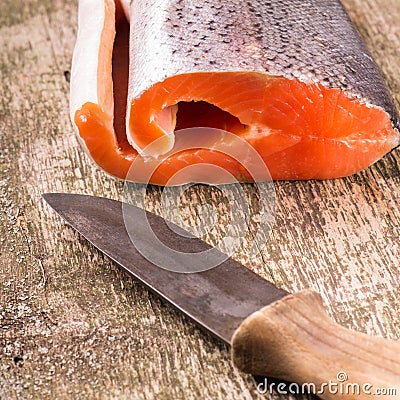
(72, 325)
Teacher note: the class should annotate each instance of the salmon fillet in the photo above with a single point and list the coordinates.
(292, 80)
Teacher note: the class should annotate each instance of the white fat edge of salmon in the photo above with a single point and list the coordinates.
(85, 59)
(85, 63)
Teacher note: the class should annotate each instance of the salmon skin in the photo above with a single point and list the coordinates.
(312, 41)
(291, 78)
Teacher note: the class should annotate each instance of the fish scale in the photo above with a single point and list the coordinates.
(309, 40)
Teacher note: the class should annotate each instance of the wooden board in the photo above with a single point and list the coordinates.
(72, 325)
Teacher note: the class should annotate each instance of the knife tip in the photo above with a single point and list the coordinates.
(47, 197)
(52, 199)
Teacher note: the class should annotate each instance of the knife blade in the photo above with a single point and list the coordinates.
(272, 333)
(218, 299)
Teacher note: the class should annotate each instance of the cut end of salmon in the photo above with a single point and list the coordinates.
(300, 130)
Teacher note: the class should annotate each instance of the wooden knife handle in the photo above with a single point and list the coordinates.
(294, 340)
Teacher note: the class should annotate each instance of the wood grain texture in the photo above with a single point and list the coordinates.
(72, 325)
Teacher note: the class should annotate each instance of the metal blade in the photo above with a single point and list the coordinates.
(218, 299)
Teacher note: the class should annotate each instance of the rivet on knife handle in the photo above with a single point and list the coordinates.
(294, 340)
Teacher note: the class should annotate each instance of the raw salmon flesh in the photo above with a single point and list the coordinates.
(291, 78)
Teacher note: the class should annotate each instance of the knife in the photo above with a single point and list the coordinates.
(272, 333)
